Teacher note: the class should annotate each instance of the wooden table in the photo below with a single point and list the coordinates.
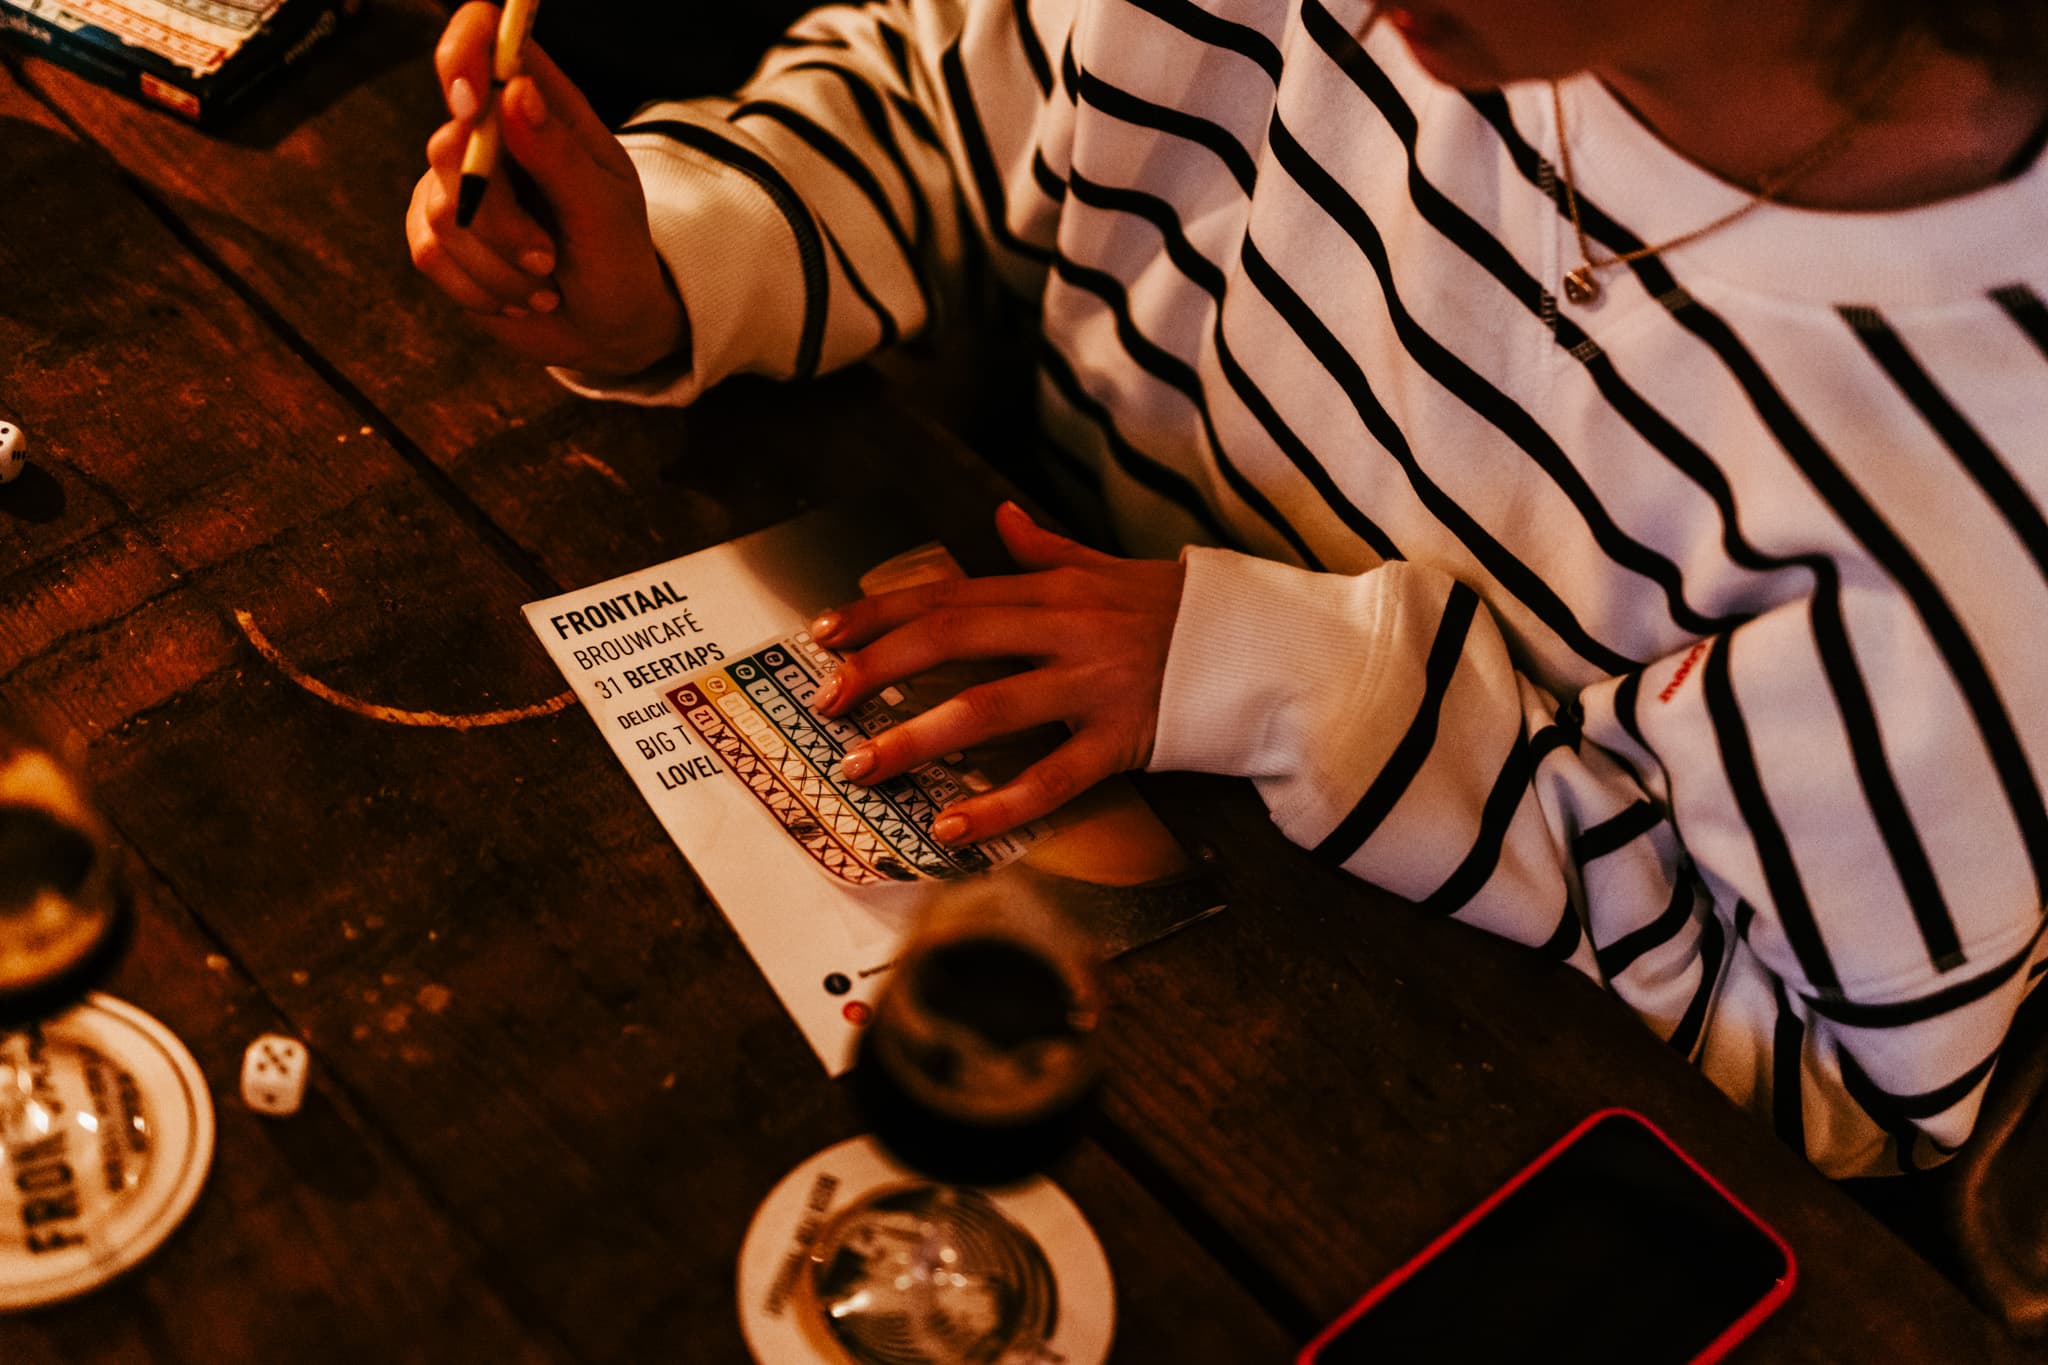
(550, 1086)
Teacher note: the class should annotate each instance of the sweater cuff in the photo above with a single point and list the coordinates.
(1267, 661)
(734, 261)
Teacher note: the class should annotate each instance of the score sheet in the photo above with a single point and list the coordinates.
(756, 715)
(699, 673)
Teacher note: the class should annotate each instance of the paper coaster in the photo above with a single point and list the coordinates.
(107, 1132)
(774, 1255)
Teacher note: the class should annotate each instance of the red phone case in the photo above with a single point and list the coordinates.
(1719, 1347)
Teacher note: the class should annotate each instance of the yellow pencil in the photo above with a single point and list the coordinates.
(480, 157)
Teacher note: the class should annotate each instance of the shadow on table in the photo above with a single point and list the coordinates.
(323, 1150)
(35, 496)
(1982, 1218)
(368, 45)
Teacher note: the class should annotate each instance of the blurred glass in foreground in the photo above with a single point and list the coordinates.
(981, 1060)
(106, 1129)
(925, 1274)
(64, 908)
(976, 1070)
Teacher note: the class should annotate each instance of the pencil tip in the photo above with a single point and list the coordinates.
(469, 197)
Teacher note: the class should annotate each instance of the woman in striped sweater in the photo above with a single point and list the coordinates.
(1612, 440)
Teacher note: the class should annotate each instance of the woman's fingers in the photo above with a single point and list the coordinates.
(1033, 794)
(571, 109)
(987, 711)
(939, 636)
(548, 126)
(1098, 629)
(856, 623)
(504, 251)
(1059, 572)
(1034, 547)
(502, 224)
(445, 147)
(591, 189)
(564, 270)
(467, 267)
(525, 285)
(464, 52)
(431, 255)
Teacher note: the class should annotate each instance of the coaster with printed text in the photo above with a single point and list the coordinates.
(108, 1135)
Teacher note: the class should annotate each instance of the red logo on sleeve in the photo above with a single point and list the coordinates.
(1685, 667)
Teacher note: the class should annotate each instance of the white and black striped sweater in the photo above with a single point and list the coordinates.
(1685, 636)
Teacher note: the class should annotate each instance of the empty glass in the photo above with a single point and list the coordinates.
(929, 1274)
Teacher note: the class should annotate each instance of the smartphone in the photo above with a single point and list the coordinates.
(1614, 1245)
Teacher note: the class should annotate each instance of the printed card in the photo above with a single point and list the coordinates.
(699, 673)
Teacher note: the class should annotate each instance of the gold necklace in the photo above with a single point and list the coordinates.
(1581, 287)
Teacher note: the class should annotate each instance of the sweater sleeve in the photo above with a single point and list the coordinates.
(1694, 834)
(826, 210)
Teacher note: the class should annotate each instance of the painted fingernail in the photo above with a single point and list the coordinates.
(462, 99)
(827, 693)
(949, 829)
(825, 627)
(537, 262)
(857, 763)
(513, 310)
(544, 300)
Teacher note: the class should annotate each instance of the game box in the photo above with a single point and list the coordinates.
(200, 59)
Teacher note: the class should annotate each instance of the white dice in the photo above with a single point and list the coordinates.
(13, 452)
(274, 1075)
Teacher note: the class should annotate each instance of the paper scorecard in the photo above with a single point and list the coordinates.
(699, 672)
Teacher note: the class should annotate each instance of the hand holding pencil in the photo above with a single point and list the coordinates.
(480, 157)
(553, 255)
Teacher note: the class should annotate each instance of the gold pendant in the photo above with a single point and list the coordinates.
(1580, 286)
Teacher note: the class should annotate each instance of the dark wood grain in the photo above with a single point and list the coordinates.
(312, 1241)
(1303, 1090)
(315, 1240)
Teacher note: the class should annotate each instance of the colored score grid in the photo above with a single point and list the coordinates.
(754, 713)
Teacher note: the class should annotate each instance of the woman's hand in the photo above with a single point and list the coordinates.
(585, 289)
(1095, 630)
